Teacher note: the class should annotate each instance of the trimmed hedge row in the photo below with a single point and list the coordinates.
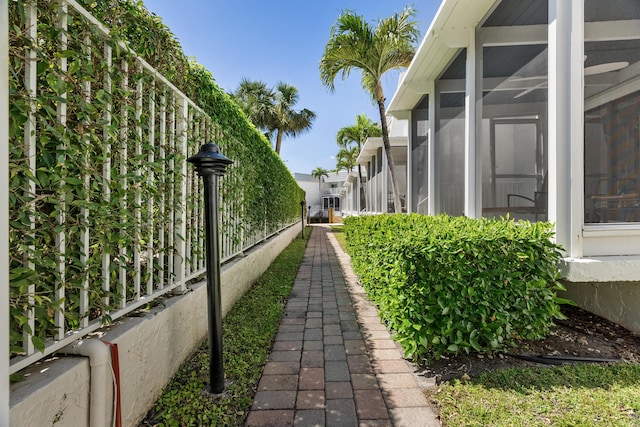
(447, 285)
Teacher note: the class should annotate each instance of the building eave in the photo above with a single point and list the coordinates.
(447, 34)
(372, 144)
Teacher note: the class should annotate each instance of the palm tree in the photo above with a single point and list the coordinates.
(271, 109)
(355, 44)
(358, 135)
(318, 173)
(256, 100)
(285, 120)
(346, 159)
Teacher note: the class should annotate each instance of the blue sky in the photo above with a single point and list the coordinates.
(283, 40)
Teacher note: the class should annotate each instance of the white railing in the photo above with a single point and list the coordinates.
(4, 214)
(158, 245)
(331, 191)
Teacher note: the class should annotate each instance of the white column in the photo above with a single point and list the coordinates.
(4, 212)
(410, 136)
(565, 121)
(470, 129)
(576, 151)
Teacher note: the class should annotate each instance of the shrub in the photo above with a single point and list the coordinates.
(448, 285)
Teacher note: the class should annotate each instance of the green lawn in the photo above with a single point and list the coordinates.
(579, 395)
(248, 332)
(338, 232)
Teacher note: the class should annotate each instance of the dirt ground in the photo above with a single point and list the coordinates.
(582, 336)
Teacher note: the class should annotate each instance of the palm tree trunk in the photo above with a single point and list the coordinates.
(387, 149)
(278, 141)
(363, 199)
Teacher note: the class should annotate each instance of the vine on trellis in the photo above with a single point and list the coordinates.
(101, 165)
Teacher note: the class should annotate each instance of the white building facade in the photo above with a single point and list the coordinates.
(532, 108)
(376, 179)
(322, 193)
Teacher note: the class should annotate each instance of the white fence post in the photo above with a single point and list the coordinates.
(172, 192)
(84, 258)
(61, 237)
(30, 79)
(4, 211)
(124, 137)
(180, 260)
(151, 182)
(162, 180)
(137, 206)
(106, 166)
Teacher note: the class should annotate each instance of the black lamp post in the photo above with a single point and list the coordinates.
(210, 164)
(302, 216)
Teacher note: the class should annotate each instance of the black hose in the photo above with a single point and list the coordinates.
(559, 360)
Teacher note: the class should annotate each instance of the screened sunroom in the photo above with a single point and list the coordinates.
(531, 108)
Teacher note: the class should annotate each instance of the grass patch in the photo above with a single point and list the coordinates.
(338, 232)
(248, 333)
(579, 395)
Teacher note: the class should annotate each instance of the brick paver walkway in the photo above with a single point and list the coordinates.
(333, 363)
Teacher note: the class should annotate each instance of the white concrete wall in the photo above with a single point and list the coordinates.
(615, 301)
(312, 192)
(151, 349)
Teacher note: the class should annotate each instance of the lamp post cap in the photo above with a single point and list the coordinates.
(209, 152)
(210, 160)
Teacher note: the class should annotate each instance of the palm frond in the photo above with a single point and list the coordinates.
(272, 109)
(359, 133)
(355, 45)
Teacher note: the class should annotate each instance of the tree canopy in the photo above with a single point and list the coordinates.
(272, 109)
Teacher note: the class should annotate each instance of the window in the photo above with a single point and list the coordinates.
(513, 140)
(612, 112)
(449, 145)
(419, 156)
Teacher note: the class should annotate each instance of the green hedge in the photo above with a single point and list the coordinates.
(448, 285)
(257, 164)
(258, 192)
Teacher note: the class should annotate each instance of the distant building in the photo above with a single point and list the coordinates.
(322, 195)
(378, 190)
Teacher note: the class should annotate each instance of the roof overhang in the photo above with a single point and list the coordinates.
(449, 31)
(372, 144)
(347, 182)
